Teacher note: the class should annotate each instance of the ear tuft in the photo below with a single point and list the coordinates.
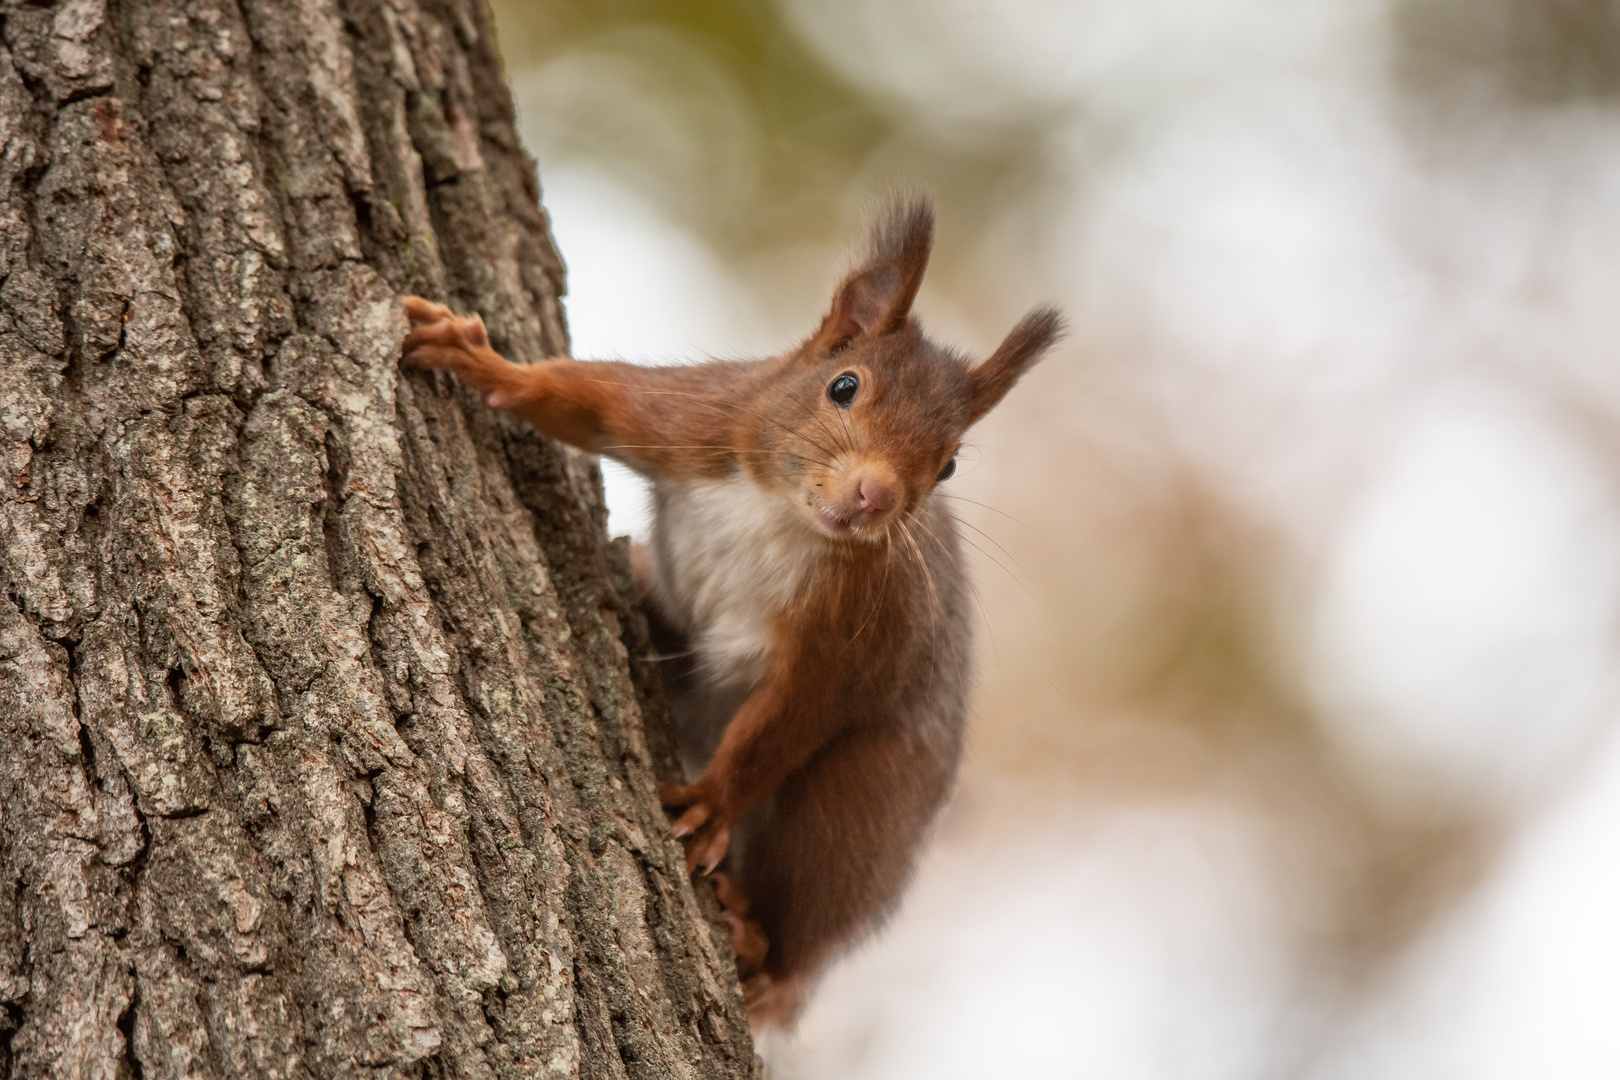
(877, 297)
(1017, 353)
(903, 238)
(904, 234)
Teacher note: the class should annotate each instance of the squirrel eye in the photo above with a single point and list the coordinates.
(947, 472)
(841, 391)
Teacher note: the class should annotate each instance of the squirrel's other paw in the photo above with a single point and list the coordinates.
(703, 826)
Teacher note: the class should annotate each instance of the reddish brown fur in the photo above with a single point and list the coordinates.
(823, 764)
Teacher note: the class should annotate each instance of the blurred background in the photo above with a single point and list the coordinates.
(1294, 751)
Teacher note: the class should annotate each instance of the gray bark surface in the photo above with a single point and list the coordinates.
(321, 743)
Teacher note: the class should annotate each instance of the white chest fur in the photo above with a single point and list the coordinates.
(729, 557)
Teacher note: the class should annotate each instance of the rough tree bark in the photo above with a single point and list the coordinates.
(321, 745)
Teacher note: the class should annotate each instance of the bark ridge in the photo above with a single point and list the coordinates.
(321, 699)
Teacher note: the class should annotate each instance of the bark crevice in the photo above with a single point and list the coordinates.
(323, 744)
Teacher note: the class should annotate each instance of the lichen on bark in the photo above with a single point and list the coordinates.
(327, 742)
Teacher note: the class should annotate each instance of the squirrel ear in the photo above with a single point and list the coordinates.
(877, 298)
(863, 303)
(990, 381)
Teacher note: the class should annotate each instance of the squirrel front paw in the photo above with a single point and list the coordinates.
(434, 327)
(704, 825)
(442, 340)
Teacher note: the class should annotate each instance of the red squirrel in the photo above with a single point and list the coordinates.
(806, 580)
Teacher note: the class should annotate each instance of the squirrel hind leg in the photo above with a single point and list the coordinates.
(770, 1002)
(829, 862)
(748, 940)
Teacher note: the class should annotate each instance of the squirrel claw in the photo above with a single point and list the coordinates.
(705, 850)
(689, 822)
(704, 830)
(419, 310)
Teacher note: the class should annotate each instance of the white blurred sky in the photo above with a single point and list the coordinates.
(1293, 273)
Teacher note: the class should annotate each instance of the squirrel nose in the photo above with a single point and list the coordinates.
(874, 495)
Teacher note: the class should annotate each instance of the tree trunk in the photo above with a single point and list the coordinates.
(321, 744)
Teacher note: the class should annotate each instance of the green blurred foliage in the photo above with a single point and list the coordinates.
(794, 150)
(1529, 52)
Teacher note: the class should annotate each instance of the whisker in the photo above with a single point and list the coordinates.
(877, 597)
(938, 607)
(849, 435)
(978, 597)
(987, 506)
(715, 451)
(810, 410)
(1027, 575)
(962, 571)
(1033, 598)
(732, 409)
(658, 657)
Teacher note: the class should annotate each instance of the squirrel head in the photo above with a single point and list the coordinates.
(874, 411)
